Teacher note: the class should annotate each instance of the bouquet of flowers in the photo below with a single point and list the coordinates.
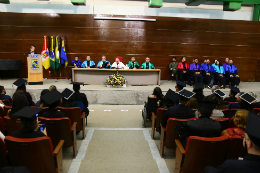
(116, 80)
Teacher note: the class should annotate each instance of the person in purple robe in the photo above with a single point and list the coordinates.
(208, 73)
(195, 71)
(226, 63)
(232, 71)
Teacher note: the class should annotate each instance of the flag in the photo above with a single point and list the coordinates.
(45, 55)
(57, 53)
(63, 56)
(52, 58)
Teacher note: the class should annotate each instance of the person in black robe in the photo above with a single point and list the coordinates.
(66, 101)
(251, 142)
(20, 83)
(203, 127)
(232, 95)
(53, 99)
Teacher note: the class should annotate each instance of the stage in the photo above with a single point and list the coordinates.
(130, 95)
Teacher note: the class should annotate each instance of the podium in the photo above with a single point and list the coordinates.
(35, 69)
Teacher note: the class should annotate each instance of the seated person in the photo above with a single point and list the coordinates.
(195, 71)
(147, 64)
(103, 63)
(52, 87)
(19, 102)
(53, 99)
(133, 64)
(77, 96)
(173, 68)
(66, 101)
(41, 103)
(88, 63)
(20, 83)
(232, 72)
(226, 63)
(3, 95)
(198, 89)
(192, 103)
(219, 104)
(240, 121)
(157, 93)
(28, 123)
(203, 127)
(182, 111)
(183, 70)
(76, 63)
(208, 73)
(251, 142)
(219, 73)
(232, 95)
(117, 64)
(204, 63)
(171, 98)
(210, 97)
(178, 87)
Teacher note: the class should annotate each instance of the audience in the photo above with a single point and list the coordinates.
(41, 103)
(52, 87)
(232, 95)
(157, 93)
(192, 103)
(198, 89)
(3, 95)
(19, 102)
(20, 83)
(66, 101)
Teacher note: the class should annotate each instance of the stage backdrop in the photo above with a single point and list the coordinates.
(160, 40)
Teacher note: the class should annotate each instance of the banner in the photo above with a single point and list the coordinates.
(63, 56)
(45, 55)
(57, 53)
(34, 62)
(52, 57)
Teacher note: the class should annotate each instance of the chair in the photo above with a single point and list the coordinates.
(156, 120)
(231, 123)
(61, 129)
(2, 114)
(223, 122)
(199, 153)
(11, 125)
(168, 134)
(75, 115)
(2, 125)
(6, 109)
(6, 102)
(225, 112)
(36, 154)
(3, 154)
(256, 110)
(236, 148)
(232, 112)
(44, 109)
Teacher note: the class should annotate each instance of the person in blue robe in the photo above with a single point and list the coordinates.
(88, 63)
(232, 73)
(208, 73)
(195, 71)
(76, 63)
(103, 63)
(219, 73)
(204, 63)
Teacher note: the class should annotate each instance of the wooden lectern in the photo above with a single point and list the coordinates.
(35, 69)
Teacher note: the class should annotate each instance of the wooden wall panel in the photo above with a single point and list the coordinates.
(160, 40)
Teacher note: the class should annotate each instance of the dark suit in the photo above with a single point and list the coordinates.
(53, 113)
(77, 96)
(209, 98)
(31, 134)
(231, 99)
(68, 104)
(181, 112)
(4, 96)
(250, 164)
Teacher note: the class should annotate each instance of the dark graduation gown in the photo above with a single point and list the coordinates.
(250, 164)
(181, 112)
(231, 99)
(53, 113)
(31, 134)
(77, 96)
(29, 98)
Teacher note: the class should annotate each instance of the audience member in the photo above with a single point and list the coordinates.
(103, 63)
(3, 95)
(208, 73)
(76, 63)
(210, 97)
(20, 83)
(195, 71)
(232, 95)
(157, 93)
(171, 98)
(66, 101)
(117, 64)
(147, 64)
(198, 90)
(41, 103)
(173, 68)
(133, 64)
(88, 63)
(52, 87)
(19, 102)
(192, 103)
(183, 70)
(178, 87)
(232, 73)
(219, 73)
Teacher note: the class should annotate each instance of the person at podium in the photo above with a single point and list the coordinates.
(133, 64)
(103, 63)
(88, 63)
(76, 63)
(117, 64)
(32, 50)
(147, 64)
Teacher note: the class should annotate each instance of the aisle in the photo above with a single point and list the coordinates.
(116, 143)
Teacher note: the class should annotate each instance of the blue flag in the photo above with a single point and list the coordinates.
(63, 56)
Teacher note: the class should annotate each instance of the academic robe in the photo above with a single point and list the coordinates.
(207, 68)
(203, 64)
(131, 65)
(78, 63)
(85, 64)
(53, 113)
(232, 69)
(250, 164)
(225, 65)
(31, 134)
(100, 63)
(196, 68)
(218, 69)
(120, 65)
(77, 96)
(180, 66)
(150, 66)
(231, 99)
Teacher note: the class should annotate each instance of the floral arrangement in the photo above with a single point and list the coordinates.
(116, 80)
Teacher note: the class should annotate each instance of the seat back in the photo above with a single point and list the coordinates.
(6, 109)
(159, 115)
(58, 129)
(74, 114)
(36, 154)
(11, 125)
(3, 154)
(2, 114)
(232, 111)
(202, 152)
(236, 148)
(223, 122)
(6, 102)
(256, 110)
(44, 109)
(2, 125)
(171, 135)
(151, 105)
(231, 123)
(225, 112)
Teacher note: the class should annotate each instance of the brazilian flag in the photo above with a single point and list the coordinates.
(52, 56)
(57, 53)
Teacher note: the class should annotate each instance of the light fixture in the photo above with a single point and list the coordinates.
(122, 18)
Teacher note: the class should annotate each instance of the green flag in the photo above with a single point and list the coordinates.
(52, 57)
(57, 53)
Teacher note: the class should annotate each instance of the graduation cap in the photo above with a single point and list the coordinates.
(181, 83)
(51, 97)
(253, 128)
(185, 93)
(206, 105)
(219, 93)
(199, 86)
(67, 93)
(235, 89)
(173, 96)
(248, 98)
(28, 113)
(77, 83)
(20, 82)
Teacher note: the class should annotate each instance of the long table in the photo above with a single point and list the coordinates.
(96, 76)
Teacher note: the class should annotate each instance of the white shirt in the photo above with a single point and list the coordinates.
(119, 65)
